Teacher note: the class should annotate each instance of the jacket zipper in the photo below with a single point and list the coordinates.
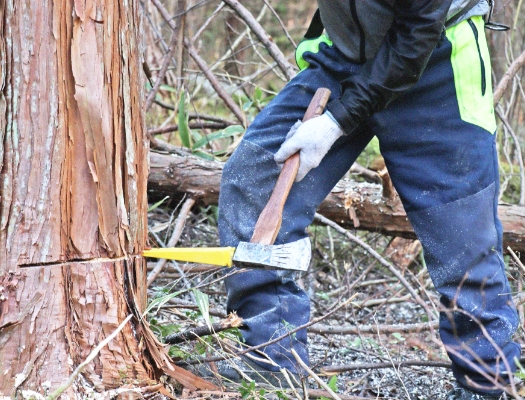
(362, 52)
(483, 78)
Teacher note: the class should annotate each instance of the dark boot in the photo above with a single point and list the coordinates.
(460, 393)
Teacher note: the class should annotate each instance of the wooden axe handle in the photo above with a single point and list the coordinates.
(269, 222)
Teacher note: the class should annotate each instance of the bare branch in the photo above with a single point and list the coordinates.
(378, 257)
(232, 321)
(207, 22)
(191, 125)
(280, 23)
(519, 154)
(416, 363)
(177, 231)
(230, 103)
(88, 359)
(313, 375)
(284, 336)
(509, 75)
(384, 329)
(288, 69)
(164, 68)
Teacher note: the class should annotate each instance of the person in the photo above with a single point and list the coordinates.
(416, 74)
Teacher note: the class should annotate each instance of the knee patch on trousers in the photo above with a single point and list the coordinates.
(461, 243)
(459, 236)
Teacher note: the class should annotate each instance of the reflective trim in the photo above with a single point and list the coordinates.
(311, 46)
(471, 65)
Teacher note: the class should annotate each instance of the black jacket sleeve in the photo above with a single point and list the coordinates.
(398, 64)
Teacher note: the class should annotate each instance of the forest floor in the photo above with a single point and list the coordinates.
(380, 328)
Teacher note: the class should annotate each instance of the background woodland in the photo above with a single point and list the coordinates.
(236, 57)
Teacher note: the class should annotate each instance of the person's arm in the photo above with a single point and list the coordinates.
(398, 64)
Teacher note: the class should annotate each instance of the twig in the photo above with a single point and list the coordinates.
(287, 334)
(396, 370)
(313, 375)
(255, 77)
(164, 68)
(290, 384)
(384, 329)
(164, 146)
(199, 117)
(214, 82)
(220, 393)
(174, 303)
(280, 23)
(357, 284)
(516, 258)
(157, 33)
(213, 118)
(509, 75)
(89, 358)
(318, 393)
(207, 22)
(304, 384)
(518, 155)
(384, 365)
(233, 46)
(191, 125)
(378, 257)
(263, 59)
(175, 236)
(516, 17)
(163, 104)
(388, 187)
(380, 302)
(368, 174)
(232, 321)
(203, 67)
(286, 67)
(181, 10)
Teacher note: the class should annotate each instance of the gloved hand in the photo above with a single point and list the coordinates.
(312, 139)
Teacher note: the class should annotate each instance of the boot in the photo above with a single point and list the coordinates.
(460, 393)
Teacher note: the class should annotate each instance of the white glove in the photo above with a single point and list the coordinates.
(312, 139)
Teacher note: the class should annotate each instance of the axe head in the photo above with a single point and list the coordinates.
(290, 256)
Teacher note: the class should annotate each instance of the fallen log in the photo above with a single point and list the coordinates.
(353, 205)
(178, 173)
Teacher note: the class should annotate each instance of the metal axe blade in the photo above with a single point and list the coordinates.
(290, 256)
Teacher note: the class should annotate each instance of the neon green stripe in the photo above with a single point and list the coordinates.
(309, 45)
(474, 107)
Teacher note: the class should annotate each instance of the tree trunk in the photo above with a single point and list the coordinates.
(73, 173)
(350, 204)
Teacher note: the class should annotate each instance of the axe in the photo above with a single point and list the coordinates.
(260, 252)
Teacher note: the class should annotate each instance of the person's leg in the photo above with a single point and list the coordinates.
(439, 147)
(270, 302)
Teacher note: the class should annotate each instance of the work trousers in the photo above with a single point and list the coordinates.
(438, 142)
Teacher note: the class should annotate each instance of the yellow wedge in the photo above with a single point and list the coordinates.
(210, 255)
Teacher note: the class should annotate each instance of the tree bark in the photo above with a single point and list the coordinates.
(350, 204)
(73, 173)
